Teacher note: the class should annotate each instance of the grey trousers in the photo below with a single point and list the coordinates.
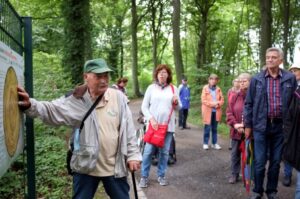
(235, 157)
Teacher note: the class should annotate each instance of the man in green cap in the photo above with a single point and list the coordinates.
(106, 147)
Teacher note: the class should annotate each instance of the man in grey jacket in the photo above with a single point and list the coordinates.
(107, 145)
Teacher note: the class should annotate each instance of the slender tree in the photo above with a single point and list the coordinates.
(285, 10)
(156, 23)
(176, 40)
(134, 48)
(203, 7)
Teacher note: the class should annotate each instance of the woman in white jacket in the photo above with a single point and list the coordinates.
(159, 100)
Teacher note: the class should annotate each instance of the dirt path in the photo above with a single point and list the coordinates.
(198, 174)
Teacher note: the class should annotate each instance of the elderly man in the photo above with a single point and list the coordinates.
(107, 140)
(265, 109)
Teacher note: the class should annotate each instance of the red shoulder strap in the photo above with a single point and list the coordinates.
(172, 87)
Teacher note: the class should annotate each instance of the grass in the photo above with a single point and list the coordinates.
(195, 119)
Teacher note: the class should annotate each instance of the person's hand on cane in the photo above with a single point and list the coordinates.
(134, 165)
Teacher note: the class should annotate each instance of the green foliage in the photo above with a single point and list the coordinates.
(49, 79)
(108, 21)
(47, 23)
(12, 183)
(145, 80)
(52, 179)
(195, 118)
(50, 82)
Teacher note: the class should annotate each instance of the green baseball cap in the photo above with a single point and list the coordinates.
(96, 66)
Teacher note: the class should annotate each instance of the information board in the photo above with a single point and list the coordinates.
(11, 118)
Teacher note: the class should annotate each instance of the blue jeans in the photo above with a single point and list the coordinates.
(297, 195)
(85, 186)
(163, 155)
(267, 145)
(287, 169)
(213, 126)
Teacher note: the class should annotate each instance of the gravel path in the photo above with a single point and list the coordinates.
(198, 174)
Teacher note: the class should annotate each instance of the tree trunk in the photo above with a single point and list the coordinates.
(266, 30)
(121, 56)
(77, 41)
(286, 24)
(203, 6)
(201, 58)
(87, 31)
(176, 40)
(154, 39)
(134, 49)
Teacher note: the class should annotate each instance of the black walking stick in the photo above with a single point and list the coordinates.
(134, 185)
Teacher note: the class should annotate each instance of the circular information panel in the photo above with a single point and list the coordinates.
(11, 118)
(11, 113)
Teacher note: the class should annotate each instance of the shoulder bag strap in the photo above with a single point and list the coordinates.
(90, 110)
(172, 87)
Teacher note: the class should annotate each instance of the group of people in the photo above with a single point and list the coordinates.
(259, 108)
(105, 147)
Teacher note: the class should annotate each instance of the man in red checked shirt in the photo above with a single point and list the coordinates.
(266, 105)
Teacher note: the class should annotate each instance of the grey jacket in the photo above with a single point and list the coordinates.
(70, 111)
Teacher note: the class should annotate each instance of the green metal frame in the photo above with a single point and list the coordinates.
(16, 32)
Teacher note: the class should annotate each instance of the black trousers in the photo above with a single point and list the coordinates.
(183, 114)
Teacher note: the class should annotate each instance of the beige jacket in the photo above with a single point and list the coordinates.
(70, 111)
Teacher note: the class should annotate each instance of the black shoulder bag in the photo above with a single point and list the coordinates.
(70, 151)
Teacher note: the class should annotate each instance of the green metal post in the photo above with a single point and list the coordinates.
(27, 21)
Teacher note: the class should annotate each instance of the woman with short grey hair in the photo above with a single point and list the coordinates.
(234, 118)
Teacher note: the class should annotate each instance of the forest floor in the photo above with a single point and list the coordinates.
(198, 173)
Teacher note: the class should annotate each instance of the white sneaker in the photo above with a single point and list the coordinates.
(143, 182)
(216, 146)
(205, 146)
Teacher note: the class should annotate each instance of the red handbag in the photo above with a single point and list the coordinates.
(157, 137)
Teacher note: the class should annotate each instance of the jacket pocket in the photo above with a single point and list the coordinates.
(84, 160)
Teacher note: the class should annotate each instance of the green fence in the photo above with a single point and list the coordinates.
(16, 32)
(11, 27)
